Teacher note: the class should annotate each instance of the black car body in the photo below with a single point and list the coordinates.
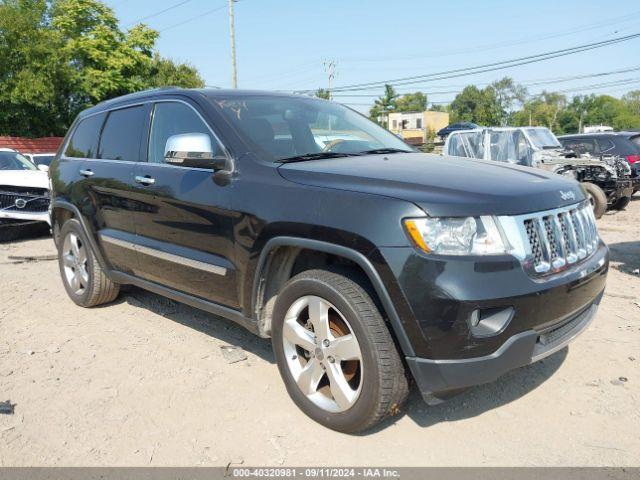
(228, 238)
(443, 132)
(621, 144)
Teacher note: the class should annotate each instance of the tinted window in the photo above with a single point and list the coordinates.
(279, 127)
(580, 145)
(604, 144)
(84, 141)
(626, 146)
(172, 118)
(122, 134)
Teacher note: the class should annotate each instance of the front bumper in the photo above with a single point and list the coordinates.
(436, 298)
(437, 379)
(28, 216)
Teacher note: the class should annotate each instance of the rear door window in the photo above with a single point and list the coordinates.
(122, 134)
(84, 140)
(605, 145)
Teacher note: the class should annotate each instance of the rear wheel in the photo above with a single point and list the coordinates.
(597, 198)
(335, 353)
(83, 278)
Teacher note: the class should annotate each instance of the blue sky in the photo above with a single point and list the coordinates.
(282, 45)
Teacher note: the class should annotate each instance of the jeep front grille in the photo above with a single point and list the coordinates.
(551, 241)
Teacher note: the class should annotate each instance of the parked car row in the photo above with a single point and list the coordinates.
(608, 179)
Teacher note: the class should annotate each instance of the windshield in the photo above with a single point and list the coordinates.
(15, 161)
(542, 138)
(280, 128)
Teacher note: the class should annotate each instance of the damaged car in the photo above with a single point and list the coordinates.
(606, 181)
(24, 194)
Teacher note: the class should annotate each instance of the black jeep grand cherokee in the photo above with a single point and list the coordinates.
(367, 263)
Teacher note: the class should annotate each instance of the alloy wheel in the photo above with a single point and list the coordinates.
(74, 260)
(322, 353)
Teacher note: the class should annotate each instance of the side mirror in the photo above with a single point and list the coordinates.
(193, 150)
(43, 168)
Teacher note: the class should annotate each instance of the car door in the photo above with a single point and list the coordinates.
(186, 237)
(110, 188)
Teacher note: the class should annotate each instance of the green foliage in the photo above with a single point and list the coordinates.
(476, 105)
(509, 95)
(323, 93)
(385, 104)
(505, 103)
(164, 72)
(412, 102)
(61, 56)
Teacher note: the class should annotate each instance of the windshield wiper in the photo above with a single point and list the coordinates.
(314, 156)
(384, 150)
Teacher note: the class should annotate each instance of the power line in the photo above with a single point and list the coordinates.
(160, 12)
(527, 83)
(191, 19)
(462, 72)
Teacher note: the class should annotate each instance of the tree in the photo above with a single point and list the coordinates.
(385, 104)
(323, 93)
(632, 101)
(509, 94)
(543, 110)
(61, 56)
(475, 105)
(164, 72)
(436, 107)
(412, 102)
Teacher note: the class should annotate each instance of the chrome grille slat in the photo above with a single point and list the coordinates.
(556, 239)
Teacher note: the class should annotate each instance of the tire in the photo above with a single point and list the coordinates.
(621, 203)
(93, 287)
(376, 384)
(597, 198)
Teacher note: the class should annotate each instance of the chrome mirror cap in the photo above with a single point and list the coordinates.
(186, 147)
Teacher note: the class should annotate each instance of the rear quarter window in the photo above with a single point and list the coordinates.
(636, 141)
(84, 140)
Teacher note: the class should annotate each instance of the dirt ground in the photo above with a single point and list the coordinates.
(144, 382)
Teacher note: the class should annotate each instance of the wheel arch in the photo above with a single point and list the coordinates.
(61, 211)
(276, 264)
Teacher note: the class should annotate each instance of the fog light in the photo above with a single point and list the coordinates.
(486, 322)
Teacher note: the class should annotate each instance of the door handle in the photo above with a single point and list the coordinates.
(145, 180)
(87, 173)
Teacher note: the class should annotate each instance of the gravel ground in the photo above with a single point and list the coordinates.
(143, 381)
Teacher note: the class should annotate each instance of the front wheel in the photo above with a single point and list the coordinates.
(596, 197)
(621, 203)
(335, 353)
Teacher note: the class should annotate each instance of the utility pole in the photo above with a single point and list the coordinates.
(330, 68)
(232, 33)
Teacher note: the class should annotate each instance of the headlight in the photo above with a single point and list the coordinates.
(457, 236)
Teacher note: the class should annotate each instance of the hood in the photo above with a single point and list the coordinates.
(442, 186)
(24, 178)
